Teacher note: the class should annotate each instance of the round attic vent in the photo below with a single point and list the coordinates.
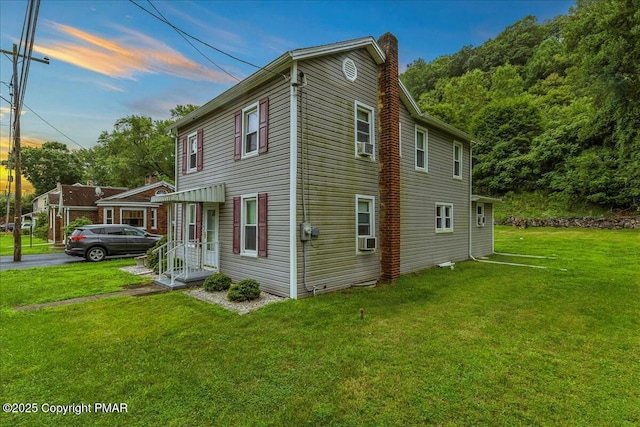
(349, 69)
(161, 192)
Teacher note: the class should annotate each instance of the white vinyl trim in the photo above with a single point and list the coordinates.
(293, 179)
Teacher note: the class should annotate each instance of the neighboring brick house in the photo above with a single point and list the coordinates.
(319, 172)
(69, 202)
(134, 207)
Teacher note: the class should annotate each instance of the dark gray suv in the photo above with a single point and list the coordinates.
(97, 241)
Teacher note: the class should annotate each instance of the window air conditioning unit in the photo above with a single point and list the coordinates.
(366, 243)
(365, 149)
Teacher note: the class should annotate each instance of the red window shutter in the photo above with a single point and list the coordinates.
(236, 225)
(237, 140)
(198, 221)
(184, 155)
(262, 224)
(264, 126)
(200, 149)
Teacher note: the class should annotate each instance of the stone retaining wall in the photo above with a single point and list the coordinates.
(605, 223)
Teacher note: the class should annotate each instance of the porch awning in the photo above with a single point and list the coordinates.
(210, 194)
(484, 199)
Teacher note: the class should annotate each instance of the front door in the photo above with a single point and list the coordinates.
(210, 237)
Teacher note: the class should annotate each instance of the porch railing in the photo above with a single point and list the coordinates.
(180, 259)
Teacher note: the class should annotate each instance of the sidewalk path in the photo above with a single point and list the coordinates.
(136, 291)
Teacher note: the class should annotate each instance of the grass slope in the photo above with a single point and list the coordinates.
(482, 344)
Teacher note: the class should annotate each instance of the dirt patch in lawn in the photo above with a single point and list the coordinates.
(139, 291)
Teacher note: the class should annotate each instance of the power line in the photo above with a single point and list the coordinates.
(55, 128)
(205, 43)
(192, 45)
(52, 126)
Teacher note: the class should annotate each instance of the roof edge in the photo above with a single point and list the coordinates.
(277, 66)
(416, 113)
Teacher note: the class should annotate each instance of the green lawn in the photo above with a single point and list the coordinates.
(483, 344)
(29, 247)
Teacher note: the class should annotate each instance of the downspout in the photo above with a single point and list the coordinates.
(471, 201)
(293, 179)
(172, 209)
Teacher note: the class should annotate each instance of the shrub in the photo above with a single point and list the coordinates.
(244, 290)
(217, 282)
(42, 226)
(153, 259)
(78, 222)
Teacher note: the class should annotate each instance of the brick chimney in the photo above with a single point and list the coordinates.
(150, 179)
(389, 159)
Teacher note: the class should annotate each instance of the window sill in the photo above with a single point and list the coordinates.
(250, 155)
(366, 158)
(457, 178)
(421, 170)
(359, 252)
(249, 255)
(443, 231)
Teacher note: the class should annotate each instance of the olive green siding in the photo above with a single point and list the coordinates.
(265, 173)
(421, 245)
(330, 176)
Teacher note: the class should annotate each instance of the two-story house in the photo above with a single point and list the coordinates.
(319, 172)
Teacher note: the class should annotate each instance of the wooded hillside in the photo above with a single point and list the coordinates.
(554, 106)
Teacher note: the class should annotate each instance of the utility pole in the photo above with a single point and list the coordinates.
(17, 206)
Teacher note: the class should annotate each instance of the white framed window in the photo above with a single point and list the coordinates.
(365, 223)
(364, 119)
(190, 216)
(249, 225)
(480, 219)
(422, 149)
(154, 219)
(444, 218)
(250, 134)
(457, 160)
(108, 215)
(133, 217)
(192, 151)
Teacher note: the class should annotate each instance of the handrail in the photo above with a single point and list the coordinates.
(182, 258)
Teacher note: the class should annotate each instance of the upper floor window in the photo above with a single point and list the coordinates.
(251, 136)
(444, 217)
(364, 130)
(250, 130)
(457, 160)
(192, 147)
(193, 151)
(422, 149)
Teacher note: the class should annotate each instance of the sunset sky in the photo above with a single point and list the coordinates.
(110, 59)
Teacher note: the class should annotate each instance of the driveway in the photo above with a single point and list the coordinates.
(46, 260)
(31, 261)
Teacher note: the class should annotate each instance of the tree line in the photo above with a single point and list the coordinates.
(553, 106)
